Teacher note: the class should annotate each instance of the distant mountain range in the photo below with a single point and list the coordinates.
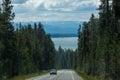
(63, 35)
(58, 28)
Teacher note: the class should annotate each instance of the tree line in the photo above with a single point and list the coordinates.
(28, 49)
(65, 58)
(99, 43)
(24, 49)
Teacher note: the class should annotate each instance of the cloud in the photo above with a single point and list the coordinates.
(54, 9)
(56, 16)
(58, 5)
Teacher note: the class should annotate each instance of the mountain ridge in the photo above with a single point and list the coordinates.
(63, 35)
(55, 28)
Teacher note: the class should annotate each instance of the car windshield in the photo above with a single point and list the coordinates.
(53, 70)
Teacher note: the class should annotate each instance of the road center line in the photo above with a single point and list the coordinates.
(72, 76)
(58, 76)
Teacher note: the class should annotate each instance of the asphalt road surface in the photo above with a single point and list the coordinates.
(61, 75)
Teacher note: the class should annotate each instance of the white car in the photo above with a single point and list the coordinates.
(53, 71)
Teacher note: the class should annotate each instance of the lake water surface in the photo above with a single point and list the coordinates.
(66, 42)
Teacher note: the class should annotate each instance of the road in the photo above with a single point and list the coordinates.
(61, 75)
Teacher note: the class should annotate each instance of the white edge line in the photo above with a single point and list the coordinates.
(72, 76)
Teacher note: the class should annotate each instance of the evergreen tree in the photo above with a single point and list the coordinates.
(103, 43)
(7, 38)
(23, 50)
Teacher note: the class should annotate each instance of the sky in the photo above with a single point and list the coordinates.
(54, 10)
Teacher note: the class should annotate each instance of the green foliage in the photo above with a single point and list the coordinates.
(27, 49)
(85, 76)
(32, 49)
(65, 58)
(7, 38)
(98, 44)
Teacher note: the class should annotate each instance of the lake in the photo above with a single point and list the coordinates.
(66, 42)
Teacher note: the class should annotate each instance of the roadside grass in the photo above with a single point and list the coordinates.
(85, 76)
(24, 77)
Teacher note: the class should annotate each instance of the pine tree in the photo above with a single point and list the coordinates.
(103, 43)
(7, 38)
(116, 32)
